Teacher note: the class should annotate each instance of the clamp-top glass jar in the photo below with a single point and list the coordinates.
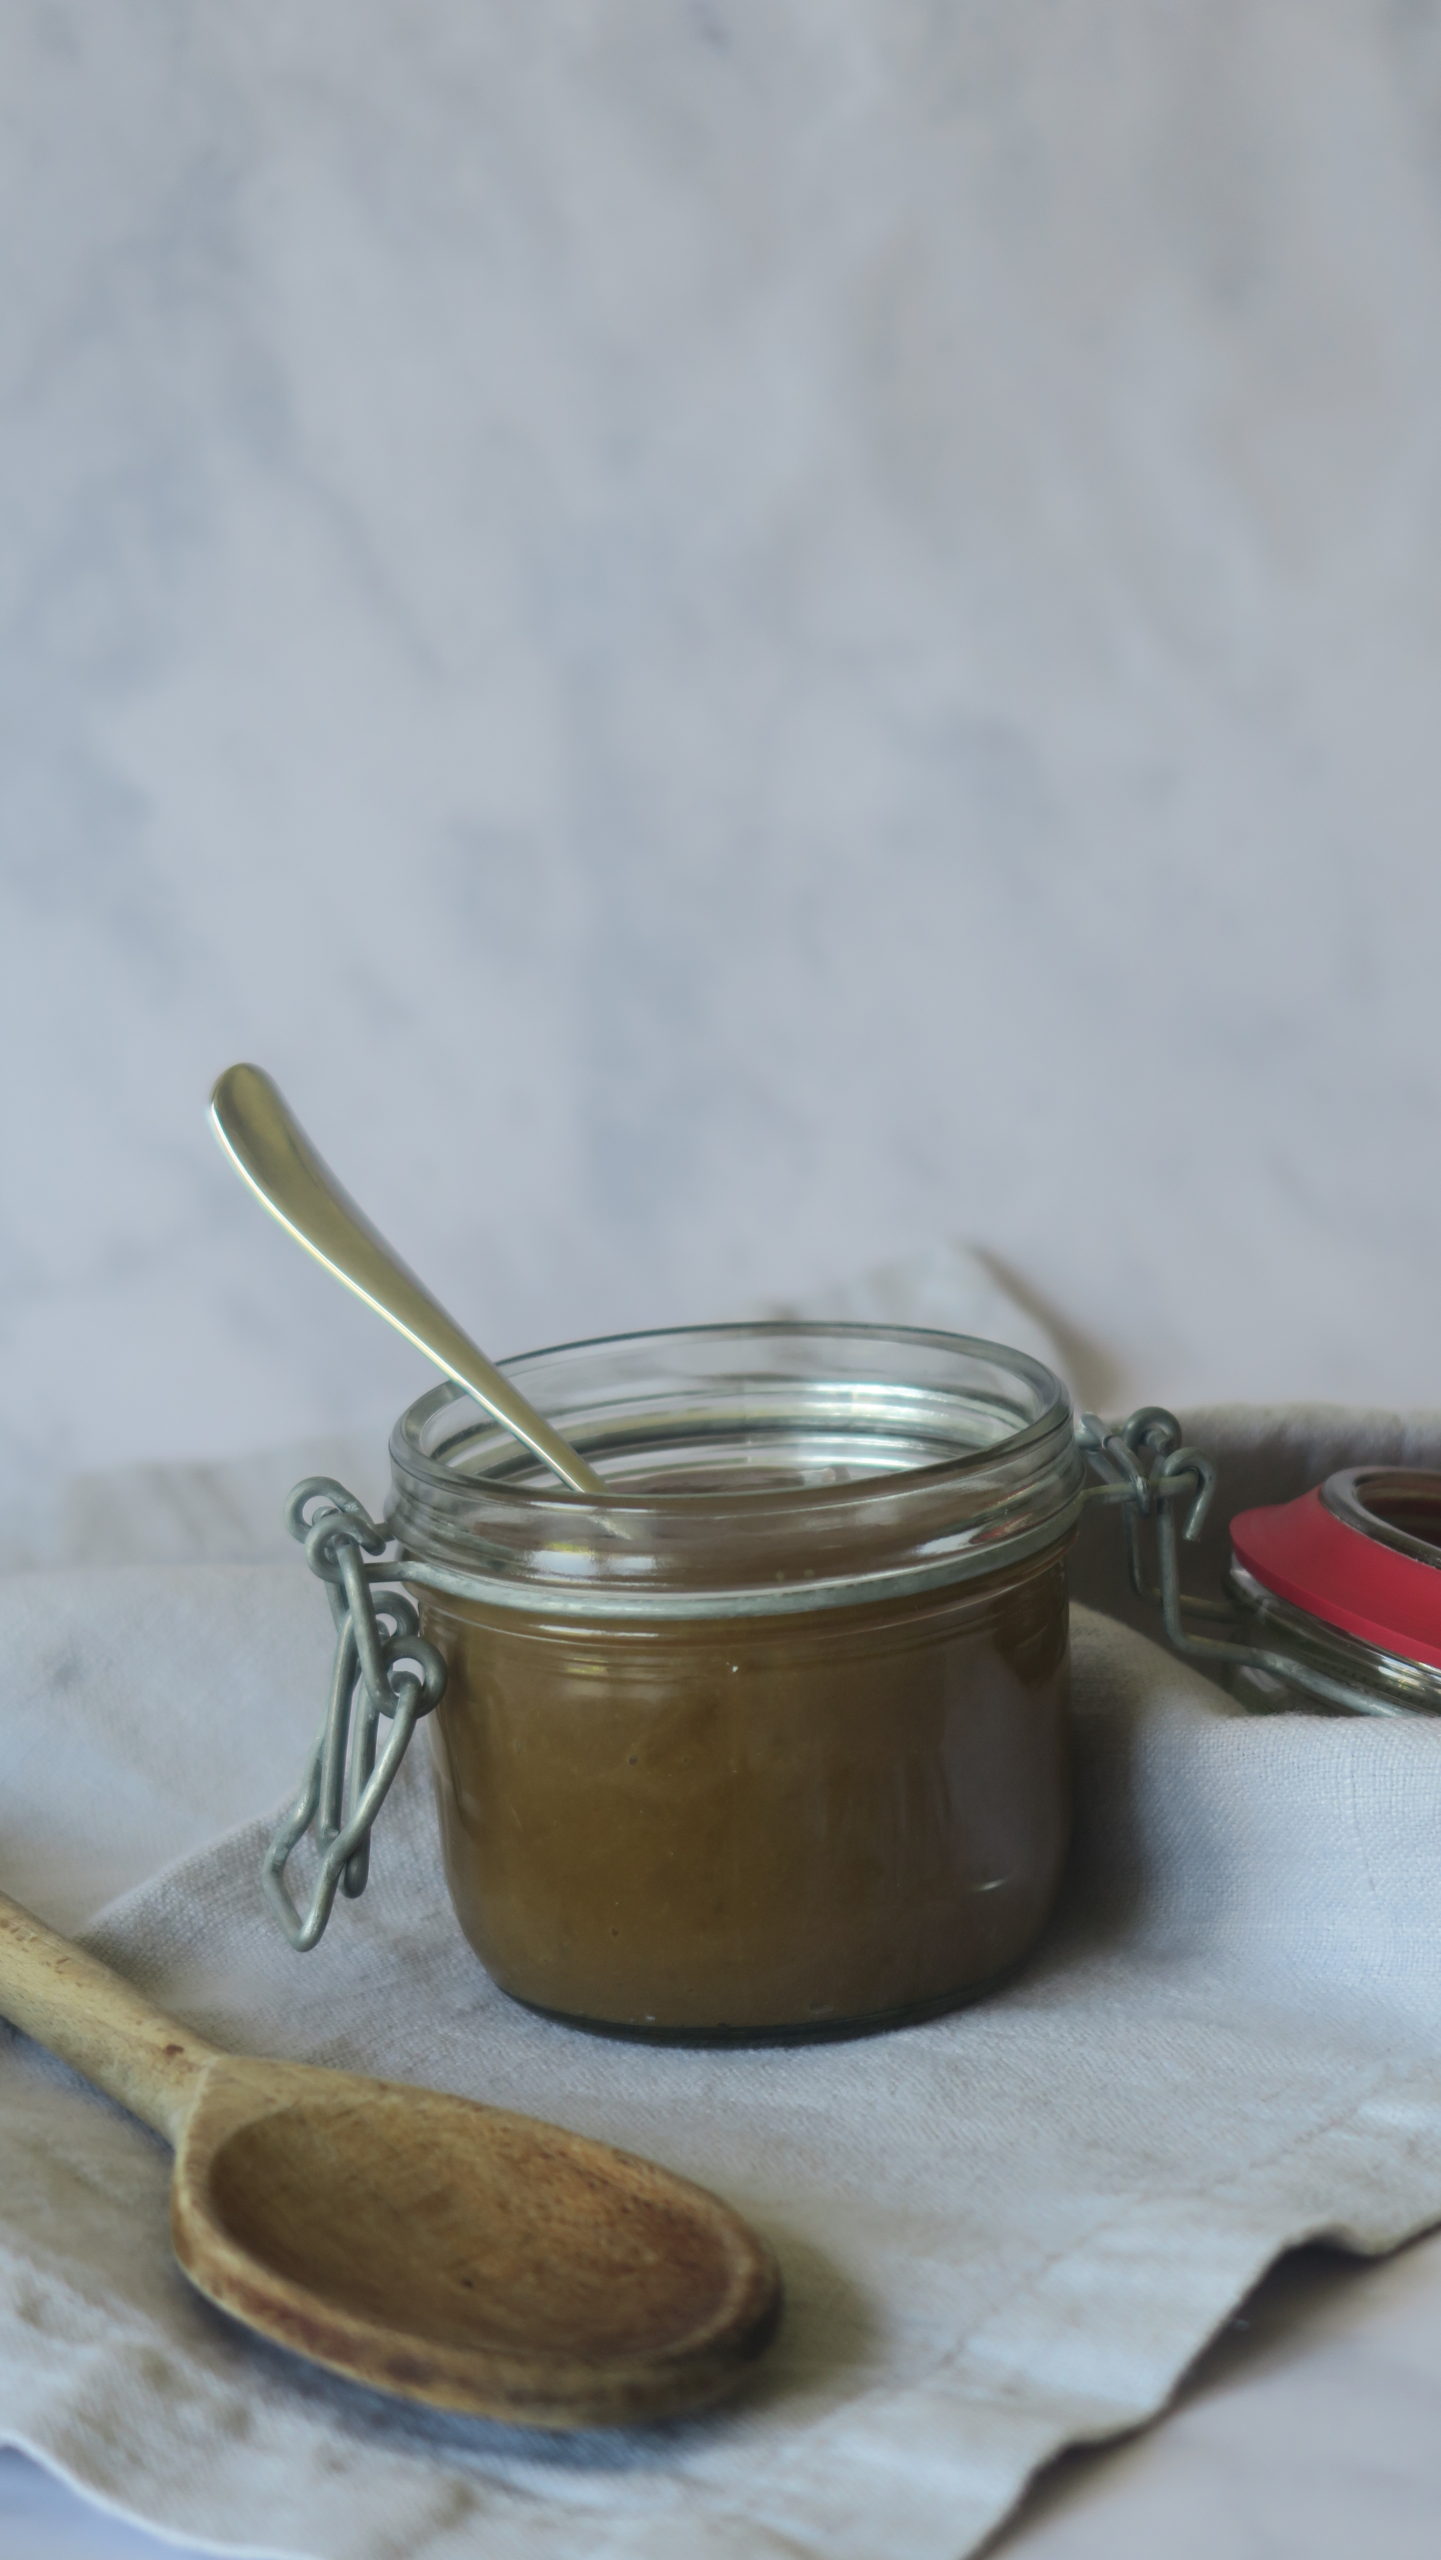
(772, 1740)
(774, 1743)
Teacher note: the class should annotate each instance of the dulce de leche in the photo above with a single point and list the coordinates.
(777, 1745)
(734, 1829)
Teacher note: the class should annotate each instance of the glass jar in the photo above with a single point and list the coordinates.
(772, 1742)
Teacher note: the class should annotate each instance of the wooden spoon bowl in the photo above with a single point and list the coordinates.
(421, 2244)
(461, 2255)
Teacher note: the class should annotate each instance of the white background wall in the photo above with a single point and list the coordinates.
(735, 638)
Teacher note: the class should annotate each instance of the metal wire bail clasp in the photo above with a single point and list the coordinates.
(1164, 1489)
(1144, 1467)
(383, 1667)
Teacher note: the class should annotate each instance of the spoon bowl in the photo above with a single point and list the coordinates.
(422, 2244)
(456, 2254)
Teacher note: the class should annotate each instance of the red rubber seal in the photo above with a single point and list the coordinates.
(1304, 1553)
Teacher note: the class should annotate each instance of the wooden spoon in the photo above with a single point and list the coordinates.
(421, 2244)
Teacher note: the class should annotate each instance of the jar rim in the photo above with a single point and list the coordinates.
(786, 1401)
(1057, 1409)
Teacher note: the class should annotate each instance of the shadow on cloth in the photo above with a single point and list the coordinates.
(826, 2329)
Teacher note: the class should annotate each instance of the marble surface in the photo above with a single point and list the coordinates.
(1307, 2429)
(735, 639)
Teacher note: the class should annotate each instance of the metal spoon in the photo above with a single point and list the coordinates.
(450, 2252)
(271, 1151)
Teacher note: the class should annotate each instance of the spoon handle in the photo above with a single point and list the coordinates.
(271, 1152)
(95, 2022)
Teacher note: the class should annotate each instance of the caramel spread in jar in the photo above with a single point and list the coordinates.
(776, 1823)
(781, 1760)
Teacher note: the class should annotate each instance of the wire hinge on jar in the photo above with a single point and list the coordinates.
(1165, 1488)
(1143, 1465)
(384, 1670)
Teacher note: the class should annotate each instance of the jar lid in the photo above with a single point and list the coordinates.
(1361, 1553)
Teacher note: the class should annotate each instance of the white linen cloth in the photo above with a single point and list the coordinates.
(1002, 2231)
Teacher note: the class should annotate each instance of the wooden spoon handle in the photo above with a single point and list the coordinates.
(95, 2022)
